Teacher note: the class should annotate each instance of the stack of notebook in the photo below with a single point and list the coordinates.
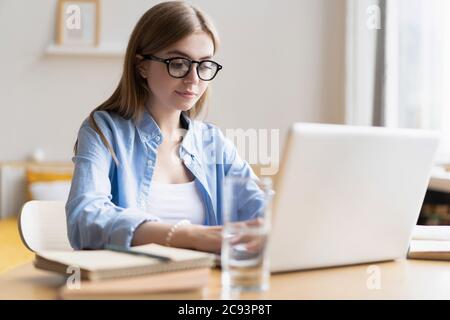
(430, 243)
(141, 270)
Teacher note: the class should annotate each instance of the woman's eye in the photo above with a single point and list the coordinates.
(177, 65)
(205, 67)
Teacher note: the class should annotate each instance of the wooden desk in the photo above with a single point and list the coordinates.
(402, 279)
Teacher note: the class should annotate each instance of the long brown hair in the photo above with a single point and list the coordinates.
(161, 26)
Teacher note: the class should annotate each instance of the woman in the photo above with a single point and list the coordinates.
(145, 170)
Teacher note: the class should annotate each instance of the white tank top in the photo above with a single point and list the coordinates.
(175, 202)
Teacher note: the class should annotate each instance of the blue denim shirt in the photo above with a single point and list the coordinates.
(107, 200)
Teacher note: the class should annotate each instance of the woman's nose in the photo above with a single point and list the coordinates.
(192, 76)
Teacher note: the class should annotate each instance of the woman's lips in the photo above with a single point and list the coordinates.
(185, 94)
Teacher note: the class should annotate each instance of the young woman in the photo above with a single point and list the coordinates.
(145, 170)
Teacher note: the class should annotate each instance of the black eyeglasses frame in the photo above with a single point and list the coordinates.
(191, 62)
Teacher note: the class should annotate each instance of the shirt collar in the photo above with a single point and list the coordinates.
(189, 139)
(150, 129)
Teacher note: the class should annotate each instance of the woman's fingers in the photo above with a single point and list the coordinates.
(255, 245)
(255, 222)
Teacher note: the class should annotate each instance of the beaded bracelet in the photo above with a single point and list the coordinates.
(174, 228)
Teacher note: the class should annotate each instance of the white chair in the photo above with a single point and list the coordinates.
(42, 226)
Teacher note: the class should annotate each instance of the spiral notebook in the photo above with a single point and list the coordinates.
(106, 264)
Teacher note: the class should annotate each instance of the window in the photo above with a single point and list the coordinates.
(418, 67)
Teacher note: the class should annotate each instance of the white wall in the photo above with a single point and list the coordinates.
(283, 62)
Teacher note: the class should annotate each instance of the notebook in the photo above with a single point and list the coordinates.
(430, 243)
(185, 284)
(105, 264)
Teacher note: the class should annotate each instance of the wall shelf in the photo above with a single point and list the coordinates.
(107, 50)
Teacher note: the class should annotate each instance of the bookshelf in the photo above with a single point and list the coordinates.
(436, 206)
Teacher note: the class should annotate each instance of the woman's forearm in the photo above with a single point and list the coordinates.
(156, 232)
(197, 237)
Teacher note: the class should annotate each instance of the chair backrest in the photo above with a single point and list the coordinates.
(42, 226)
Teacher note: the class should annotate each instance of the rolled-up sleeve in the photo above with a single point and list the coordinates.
(93, 220)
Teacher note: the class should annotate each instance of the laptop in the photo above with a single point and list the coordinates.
(348, 195)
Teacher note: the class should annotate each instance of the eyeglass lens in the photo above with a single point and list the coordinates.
(179, 68)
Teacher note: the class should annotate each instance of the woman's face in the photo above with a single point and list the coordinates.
(166, 91)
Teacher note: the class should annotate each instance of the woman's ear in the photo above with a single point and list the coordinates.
(141, 66)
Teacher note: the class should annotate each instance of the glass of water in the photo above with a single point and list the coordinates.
(246, 228)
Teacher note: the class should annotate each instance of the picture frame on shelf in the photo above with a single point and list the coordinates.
(78, 23)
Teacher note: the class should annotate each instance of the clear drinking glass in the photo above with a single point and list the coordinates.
(246, 229)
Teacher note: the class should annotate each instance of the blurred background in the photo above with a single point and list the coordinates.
(284, 61)
(358, 62)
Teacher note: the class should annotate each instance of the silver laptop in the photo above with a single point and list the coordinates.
(348, 195)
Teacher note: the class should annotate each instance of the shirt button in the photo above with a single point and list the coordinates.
(157, 138)
(149, 163)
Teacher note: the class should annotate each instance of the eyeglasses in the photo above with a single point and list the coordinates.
(179, 67)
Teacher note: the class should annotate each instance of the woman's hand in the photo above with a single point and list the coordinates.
(203, 238)
(196, 237)
(253, 243)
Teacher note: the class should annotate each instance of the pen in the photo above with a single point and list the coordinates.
(138, 253)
